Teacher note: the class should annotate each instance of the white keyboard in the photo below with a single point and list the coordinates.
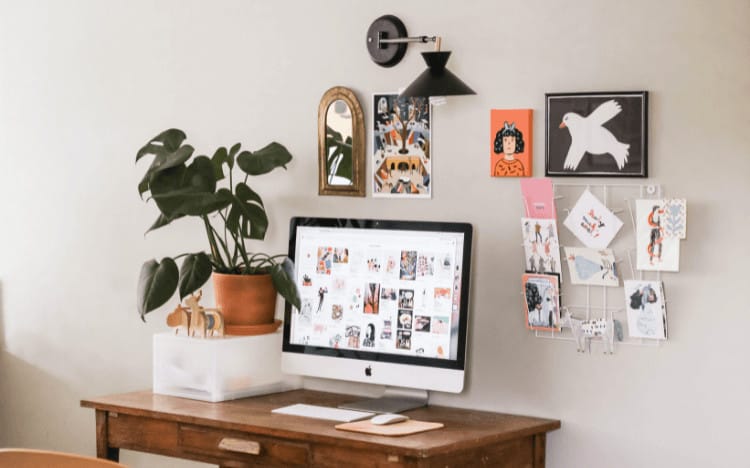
(323, 412)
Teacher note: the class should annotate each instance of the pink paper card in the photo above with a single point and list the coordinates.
(538, 198)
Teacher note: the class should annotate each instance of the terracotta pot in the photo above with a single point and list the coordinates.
(247, 302)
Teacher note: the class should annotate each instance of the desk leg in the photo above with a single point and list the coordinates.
(103, 450)
(539, 449)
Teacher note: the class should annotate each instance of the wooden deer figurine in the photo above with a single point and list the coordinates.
(204, 320)
(179, 318)
(196, 320)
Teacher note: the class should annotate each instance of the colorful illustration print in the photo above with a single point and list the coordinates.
(408, 265)
(542, 294)
(401, 160)
(510, 143)
(655, 251)
(325, 258)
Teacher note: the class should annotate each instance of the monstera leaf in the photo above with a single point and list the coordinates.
(187, 190)
(156, 284)
(195, 271)
(282, 275)
(247, 214)
(264, 160)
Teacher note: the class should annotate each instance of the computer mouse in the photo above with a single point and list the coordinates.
(388, 418)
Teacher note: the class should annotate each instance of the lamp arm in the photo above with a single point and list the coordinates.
(422, 39)
(403, 40)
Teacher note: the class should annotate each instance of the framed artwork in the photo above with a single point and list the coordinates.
(597, 134)
(647, 311)
(541, 245)
(510, 143)
(542, 300)
(401, 164)
(656, 250)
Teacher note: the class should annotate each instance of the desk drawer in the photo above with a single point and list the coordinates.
(242, 447)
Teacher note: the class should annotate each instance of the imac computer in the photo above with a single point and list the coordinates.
(382, 302)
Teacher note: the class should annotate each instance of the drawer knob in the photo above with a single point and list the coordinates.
(238, 445)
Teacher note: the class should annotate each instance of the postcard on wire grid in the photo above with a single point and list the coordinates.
(538, 198)
(647, 312)
(542, 293)
(655, 250)
(593, 267)
(541, 245)
(592, 222)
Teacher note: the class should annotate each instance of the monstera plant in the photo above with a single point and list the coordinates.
(230, 212)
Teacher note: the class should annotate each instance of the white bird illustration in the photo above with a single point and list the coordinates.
(588, 136)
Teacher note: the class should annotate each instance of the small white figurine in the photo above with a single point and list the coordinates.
(584, 330)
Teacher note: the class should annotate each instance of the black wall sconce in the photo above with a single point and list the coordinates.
(387, 41)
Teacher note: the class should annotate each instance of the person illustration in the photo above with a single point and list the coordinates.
(656, 235)
(321, 295)
(537, 232)
(509, 142)
(369, 340)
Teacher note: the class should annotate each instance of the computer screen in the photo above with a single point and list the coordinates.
(382, 301)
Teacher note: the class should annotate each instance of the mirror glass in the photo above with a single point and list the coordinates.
(339, 169)
(341, 144)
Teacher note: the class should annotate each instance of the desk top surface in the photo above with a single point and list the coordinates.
(463, 428)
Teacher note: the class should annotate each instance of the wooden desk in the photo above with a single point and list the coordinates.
(198, 430)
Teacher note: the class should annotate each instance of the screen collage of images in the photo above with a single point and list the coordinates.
(385, 291)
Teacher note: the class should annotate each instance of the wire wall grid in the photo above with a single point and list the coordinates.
(607, 302)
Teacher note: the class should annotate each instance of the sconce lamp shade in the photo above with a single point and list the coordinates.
(436, 80)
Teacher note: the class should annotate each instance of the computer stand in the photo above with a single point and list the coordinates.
(394, 400)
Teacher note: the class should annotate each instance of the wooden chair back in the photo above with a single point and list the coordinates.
(29, 458)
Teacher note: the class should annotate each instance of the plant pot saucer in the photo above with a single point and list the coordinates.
(249, 330)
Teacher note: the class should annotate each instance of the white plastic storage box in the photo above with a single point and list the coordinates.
(217, 369)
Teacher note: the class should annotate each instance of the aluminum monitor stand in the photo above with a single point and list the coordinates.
(394, 400)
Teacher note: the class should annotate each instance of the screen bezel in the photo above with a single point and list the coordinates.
(428, 226)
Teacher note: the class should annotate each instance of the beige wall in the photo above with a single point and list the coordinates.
(84, 83)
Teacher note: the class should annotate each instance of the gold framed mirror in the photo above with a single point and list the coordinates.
(341, 144)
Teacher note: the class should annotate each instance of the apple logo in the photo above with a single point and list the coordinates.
(368, 371)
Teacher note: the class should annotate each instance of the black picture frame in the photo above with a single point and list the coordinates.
(623, 130)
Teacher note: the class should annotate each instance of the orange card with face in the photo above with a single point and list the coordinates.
(510, 142)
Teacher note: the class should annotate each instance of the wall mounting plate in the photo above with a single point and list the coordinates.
(386, 27)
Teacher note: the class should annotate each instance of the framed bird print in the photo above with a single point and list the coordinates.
(597, 134)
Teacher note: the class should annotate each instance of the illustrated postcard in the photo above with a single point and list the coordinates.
(592, 222)
(541, 245)
(593, 267)
(542, 293)
(538, 198)
(656, 251)
(647, 312)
